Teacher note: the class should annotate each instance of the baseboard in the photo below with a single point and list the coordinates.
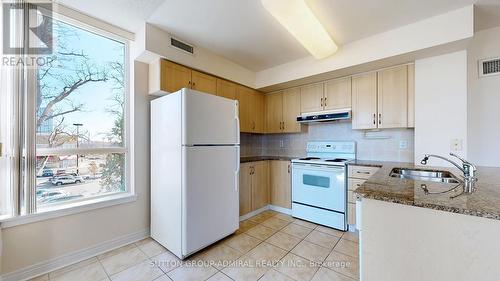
(256, 212)
(281, 209)
(74, 257)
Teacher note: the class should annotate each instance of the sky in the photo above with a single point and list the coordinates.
(95, 95)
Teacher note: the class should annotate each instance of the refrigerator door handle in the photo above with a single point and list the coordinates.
(237, 172)
(237, 120)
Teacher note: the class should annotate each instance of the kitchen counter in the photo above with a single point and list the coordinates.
(367, 163)
(245, 159)
(484, 202)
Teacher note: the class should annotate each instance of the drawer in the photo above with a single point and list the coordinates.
(351, 196)
(362, 172)
(352, 184)
(351, 213)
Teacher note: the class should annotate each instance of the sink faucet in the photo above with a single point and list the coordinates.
(467, 168)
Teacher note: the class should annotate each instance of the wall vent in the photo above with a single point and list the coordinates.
(181, 46)
(488, 67)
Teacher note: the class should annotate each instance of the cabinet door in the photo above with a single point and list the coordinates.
(203, 82)
(337, 94)
(244, 97)
(364, 101)
(311, 98)
(257, 112)
(260, 185)
(291, 109)
(280, 184)
(245, 188)
(393, 97)
(226, 89)
(411, 96)
(174, 76)
(274, 112)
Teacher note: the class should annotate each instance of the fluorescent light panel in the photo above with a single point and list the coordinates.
(299, 20)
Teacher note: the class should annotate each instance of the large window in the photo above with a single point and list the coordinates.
(73, 124)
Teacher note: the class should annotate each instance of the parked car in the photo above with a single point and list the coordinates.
(44, 195)
(60, 172)
(66, 179)
(47, 173)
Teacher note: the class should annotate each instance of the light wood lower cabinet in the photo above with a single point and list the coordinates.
(280, 183)
(357, 176)
(254, 186)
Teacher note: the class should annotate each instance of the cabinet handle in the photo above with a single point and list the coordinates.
(374, 118)
(253, 125)
(360, 172)
(380, 118)
(321, 102)
(289, 168)
(194, 84)
(324, 101)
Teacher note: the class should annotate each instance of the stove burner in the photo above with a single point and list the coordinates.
(336, 160)
(309, 158)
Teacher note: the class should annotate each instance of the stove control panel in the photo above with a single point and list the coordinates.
(331, 147)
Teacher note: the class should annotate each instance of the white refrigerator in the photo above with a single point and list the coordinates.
(195, 159)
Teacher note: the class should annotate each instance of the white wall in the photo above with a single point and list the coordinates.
(42, 241)
(484, 101)
(440, 105)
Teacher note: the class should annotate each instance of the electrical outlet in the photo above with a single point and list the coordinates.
(456, 145)
(403, 144)
(282, 143)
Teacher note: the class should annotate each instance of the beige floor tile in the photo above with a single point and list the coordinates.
(273, 275)
(150, 247)
(219, 277)
(275, 223)
(74, 266)
(43, 277)
(324, 274)
(192, 273)
(245, 225)
(269, 213)
(267, 252)
(329, 230)
(305, 223)
(283, 240)
(89, 272)
(116, 251)
(351, 236)
(246, 269)
(261, 232)
(284, 217)
(242, 242)
(145, 271)
(259, 218)
(296, 230)
(166, 261)
(297, 267)
(219, 256)
(347, 247)
(163, 278)
(322, 239)
(311, 251)
(343, 264)
(123, 260)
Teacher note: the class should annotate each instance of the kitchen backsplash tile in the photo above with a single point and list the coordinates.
(383, 145)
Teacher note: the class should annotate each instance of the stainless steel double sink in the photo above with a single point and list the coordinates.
(425, 175)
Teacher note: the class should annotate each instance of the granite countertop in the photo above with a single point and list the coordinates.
(244, 159)
(484, 202)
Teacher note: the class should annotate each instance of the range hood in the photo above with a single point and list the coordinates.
(325, 116)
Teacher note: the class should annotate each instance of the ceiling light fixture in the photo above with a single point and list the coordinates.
(299, 20)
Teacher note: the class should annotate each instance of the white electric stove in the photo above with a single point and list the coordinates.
(319, 183)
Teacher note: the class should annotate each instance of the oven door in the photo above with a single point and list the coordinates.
(319, 186)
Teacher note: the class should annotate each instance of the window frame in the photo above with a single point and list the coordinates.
(30, 211)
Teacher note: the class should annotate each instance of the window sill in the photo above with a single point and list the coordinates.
(69, 209)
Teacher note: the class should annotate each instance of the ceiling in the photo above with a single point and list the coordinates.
(243, 32)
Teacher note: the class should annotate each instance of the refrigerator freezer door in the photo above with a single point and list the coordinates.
(208, 119)
(210, 196)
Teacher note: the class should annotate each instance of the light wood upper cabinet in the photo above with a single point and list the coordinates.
(251, 110)
(393, 97)
(172, 77)
(260, 185)
(203, 82)
(274, 112)
(311, 98)
(226, 89)
(245, 188)
(364, 101)
(291, 109)
(411, 96)
(280, 183)
(337, 94)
